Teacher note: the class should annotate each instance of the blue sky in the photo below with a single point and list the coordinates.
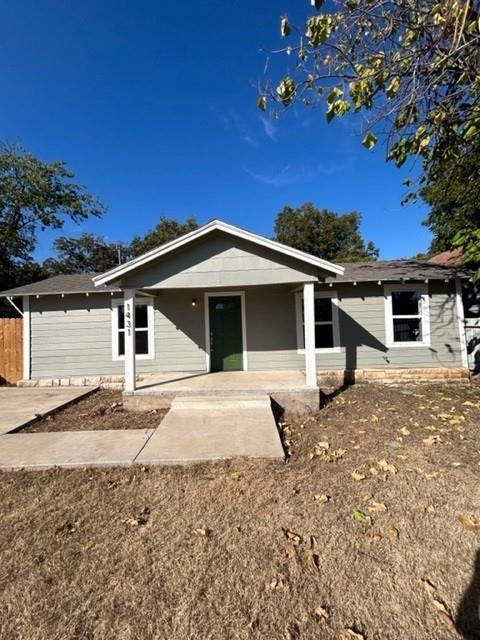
(153, 106)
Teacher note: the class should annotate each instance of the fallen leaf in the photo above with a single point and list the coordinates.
(357, 475)
(291, 535)
(322, 613)
(469, 521)
(277, 583)
(387, 466)
(313, 563)
(377, 507)
(439, 606)
(348, 634)
(362, 517)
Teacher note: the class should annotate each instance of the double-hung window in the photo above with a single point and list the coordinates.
(144, 333)
(327, 335)
(407, 315)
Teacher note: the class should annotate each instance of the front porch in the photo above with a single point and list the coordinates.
(289, 394)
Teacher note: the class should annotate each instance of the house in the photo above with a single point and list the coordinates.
(224, 299)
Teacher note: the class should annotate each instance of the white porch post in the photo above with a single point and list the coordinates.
(129, 306)
(309, 322)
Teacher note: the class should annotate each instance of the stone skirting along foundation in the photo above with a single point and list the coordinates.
(333, 379)
(326, 378)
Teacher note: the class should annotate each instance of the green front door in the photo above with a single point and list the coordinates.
(226, 345)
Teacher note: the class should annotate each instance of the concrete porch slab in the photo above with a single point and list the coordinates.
(20, 406)
(69, 449)
(205, 428)
(293, 398)
(229, 382)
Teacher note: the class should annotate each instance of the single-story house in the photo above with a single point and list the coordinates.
(224, 299)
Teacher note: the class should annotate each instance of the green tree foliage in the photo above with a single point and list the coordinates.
(167, 229)
(324, 233)
(87, 254)
(34, 196)
(452, 190)
(412, 69)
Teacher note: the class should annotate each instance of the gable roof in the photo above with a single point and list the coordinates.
(384, 270)
(214, 225)
(396, 270)
(65, 283)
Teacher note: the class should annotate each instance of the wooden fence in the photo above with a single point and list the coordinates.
(11, 351)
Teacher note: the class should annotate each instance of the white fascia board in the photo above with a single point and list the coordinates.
(215, 225)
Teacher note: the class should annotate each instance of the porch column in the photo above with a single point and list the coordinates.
(309, 323)
(129, 306)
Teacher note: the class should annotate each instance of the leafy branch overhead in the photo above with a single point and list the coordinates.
(412, 67)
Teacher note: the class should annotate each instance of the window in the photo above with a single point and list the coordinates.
(144, 335)
(327, 336)
(407, 315)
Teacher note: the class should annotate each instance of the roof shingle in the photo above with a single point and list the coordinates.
(65, 283)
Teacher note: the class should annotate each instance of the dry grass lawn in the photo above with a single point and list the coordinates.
(252, 550)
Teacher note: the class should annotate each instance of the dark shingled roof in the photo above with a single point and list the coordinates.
(395, 270)
(68, 283)
(385, 270)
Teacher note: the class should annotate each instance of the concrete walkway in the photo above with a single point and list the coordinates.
(196, 429)
(203, 428)
(72, 448)
(20, 406)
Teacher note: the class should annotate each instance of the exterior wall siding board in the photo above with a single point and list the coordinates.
(72, 336)
(221, 261)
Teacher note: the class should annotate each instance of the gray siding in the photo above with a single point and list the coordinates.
(271, 331)
(221, 261)
(72, 336)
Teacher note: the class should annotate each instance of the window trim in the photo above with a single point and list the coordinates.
(150, 329)
(424, 314)
(332, 294)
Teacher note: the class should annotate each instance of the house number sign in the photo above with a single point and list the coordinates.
(128, 318)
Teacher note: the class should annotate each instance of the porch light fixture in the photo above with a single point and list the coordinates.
(194, 302)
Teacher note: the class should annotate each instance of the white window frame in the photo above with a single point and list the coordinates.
(150, 329)
(424, 314)
(334, 322)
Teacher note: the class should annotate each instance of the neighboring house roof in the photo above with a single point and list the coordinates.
(71, 283)
(451, 258)
(395, 270)
(214, 225)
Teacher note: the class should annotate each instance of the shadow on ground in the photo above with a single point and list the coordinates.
(468, 615)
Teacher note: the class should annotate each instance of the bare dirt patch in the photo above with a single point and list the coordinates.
(100, 410)
(372, 528)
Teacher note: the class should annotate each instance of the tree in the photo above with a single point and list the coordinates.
(411, 68)
(167, 229)
(453, 192)
(324, 233)
(87, 254)
(34, 196)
